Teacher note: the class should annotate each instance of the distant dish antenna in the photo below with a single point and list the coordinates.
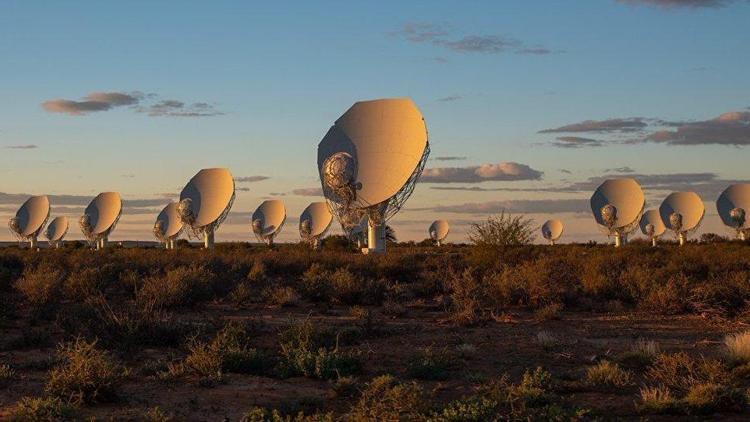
(168, 225)
(652, 226)
(552, 230)
(30, 220)
(314, 223)
(439, 230)
(369, 162)
(205, 203)
(56, 231)
(100, 218)
(682, 213)
(268, 220)
(617, 205)
(734, 206)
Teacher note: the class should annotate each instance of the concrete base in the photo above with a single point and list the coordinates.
(375, 238)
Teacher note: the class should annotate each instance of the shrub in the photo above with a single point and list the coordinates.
(302, 353)
(547, 340)
(548, 312)
(657, 399)
(282, 296)
(738, 346)
(680, 372)
(466, 295)
(41, 287)
(7, 374)
(642, 353)
(85, 374)
(430, 364)
(384, 398)
(33, 409)
(608, 374)
(502, 230)
(182, 286)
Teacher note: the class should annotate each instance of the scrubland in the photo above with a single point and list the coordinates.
(570, 332)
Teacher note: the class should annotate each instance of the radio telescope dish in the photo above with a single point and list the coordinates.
(358, 233)
(652, 225)
(268, 220)
(100, 218)
(552, 230)
(205, 203)
(56, 231)
(617, 205)
(314, 223)
(682, 212)
(439, 230)
(369, 162)
(734, 209)
(168, 225)
(30, 219)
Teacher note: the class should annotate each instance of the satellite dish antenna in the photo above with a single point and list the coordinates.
(617, 205)
(370, 161)
(168, 225)
(314, 223)
(734, 209)
(268, 220)
(439, 230)
(552, 230)
(56, 231)
(30, 219)
(205, 203)
(100, 218)
(652, 225)
(682, 212)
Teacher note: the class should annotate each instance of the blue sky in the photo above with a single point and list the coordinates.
(488, 76)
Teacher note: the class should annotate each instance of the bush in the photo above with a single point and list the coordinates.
(85, 374)
(430, 364)
(657, 399)
(502, 230)
(386, 399)
(642, 353)
(41, 287)
(738, 346)
(302, 353)
(680, 372)
(33, 409)
(7, 374)
(608, 374)
(180, 287)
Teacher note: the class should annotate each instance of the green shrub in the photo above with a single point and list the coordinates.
(302, 353)
(33, 409)
(430, 364)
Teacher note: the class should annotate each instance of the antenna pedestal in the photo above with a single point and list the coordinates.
(32, 243)
(618, 240)
(653, 242)
(438, 243)
(683, 238)
(208, 239)
(375, 238)
(742, 235)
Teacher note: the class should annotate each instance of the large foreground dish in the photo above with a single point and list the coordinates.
(439, 230)
(30, 219)
(268, 220)
(56, 231)
(369, 162)
(617, 205)
(100, 218)
(314, 223)
(652, 225)
(552, 230)
(168, 225)
(682, 213)
(733, 206)
(205, 202)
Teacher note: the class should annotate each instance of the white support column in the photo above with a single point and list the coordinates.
(683, 238)
(653, 241)
(208, 238)
(375, 237)
(32, 243)
(618, 240)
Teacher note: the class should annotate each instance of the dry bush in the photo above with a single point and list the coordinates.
(315, 285)
(85, 374)
(502, 230)
(179, 287)
(657, 399)
(641, 353)
(466, 295)
(607, 374)
(41, 287)
(304, 352)
(33, 409)
(430, 364)
(281, 296)
(738, 346)
(384, 398)
(7, 374)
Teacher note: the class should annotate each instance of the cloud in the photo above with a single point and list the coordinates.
(669, 4)
(175, 108)
(732, 128)
(450, 98)
(27, 146)
(308, 192)
(242, 189)
(441, 35)
(576, 142)
(250, 179)
(541, 206)
(449, 158)
(506, 171)
(95, 101)
(632, 124)
(624, 169)
(566, 171)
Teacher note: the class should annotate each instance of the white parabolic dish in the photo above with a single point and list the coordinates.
(271, 214)
(210, 192)
(735, 197)
(653, 218)
(552, 229)
(625, 195)
(319, 218)
(439, 230)
(171, 224)
(103, 212)
(57, 229)
(688, 204)
(387, 139)
(32, 216)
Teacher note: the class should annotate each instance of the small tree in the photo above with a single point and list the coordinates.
(502, 230)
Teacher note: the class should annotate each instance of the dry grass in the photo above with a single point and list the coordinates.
(738, 346)
(607, 374)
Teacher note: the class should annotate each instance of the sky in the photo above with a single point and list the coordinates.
(529, 104)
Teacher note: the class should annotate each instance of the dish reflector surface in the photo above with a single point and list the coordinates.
(210, 192)
(439, 229)
(270, 216)
(57, 229)
(171, 225)
(686, 204)
(32, 215)
(735, 198)
(653, 218)
(625, 195)
(552, 229)
(319, 219)
(378, 144)
(104, 211)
